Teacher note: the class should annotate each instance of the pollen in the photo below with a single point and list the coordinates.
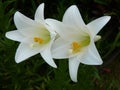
(75, 47)
(39, 40)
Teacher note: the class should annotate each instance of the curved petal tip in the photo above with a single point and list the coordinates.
(39, 14)
(73, 6)
(107, 18)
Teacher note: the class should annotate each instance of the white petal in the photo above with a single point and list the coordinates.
(60, 49)
(22, 21)
(73, 68)
(39, 14)
(92, 56)
(15, 35)
(66, 32)
(34, 31)
(96, 25)
(73, 17)
(49, 27)
(46, 54)
(24, 52)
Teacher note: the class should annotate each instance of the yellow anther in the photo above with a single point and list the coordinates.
(76, 47)
(39, 40)
(36, 39)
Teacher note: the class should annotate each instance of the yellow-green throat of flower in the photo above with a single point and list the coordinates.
(76, 46)
(42, 39)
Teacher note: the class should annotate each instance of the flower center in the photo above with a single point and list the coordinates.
(41, 37)
(75, 47)
(38, 40)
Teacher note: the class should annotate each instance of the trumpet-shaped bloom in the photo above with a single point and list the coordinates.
(35, 36)
(76, 40)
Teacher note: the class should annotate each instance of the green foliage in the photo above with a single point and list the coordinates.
(35, 74)
(103, 2)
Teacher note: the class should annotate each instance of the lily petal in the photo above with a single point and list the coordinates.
(46, 54)
(14, 35)
(60, 49)
(39, 14)
(72, 17)
(24, 52)
(96, 25)
(34, 31)
(66, 32)
(22, 21)
(73, 68)
(92, 56)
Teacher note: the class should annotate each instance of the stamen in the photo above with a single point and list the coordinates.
(75, 47)
(39, 40)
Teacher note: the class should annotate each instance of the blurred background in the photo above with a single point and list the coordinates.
(35, 74)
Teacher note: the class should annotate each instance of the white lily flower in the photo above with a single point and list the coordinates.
(76, 40)
(35, 36)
